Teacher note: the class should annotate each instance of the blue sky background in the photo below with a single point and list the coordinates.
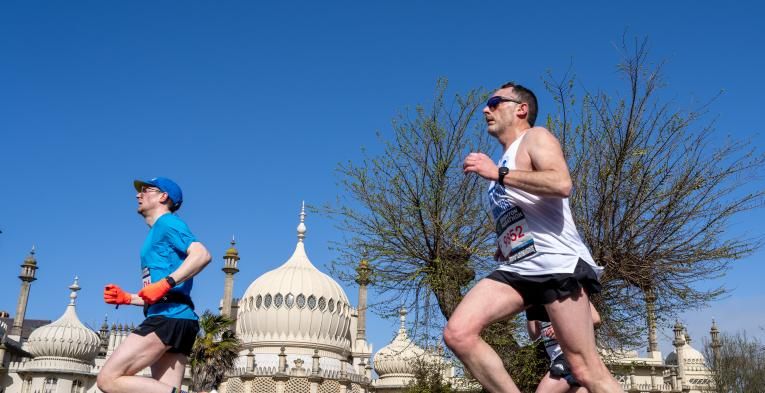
(250, 107)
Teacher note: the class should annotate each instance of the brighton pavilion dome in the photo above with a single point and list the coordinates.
(298, 306)
(66, 337)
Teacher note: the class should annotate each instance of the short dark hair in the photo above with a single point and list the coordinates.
(527, 96)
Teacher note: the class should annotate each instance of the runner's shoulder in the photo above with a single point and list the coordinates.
(539, 132)
(540, 136)
(170, 222)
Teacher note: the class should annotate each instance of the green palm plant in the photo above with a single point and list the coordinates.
(214, 353)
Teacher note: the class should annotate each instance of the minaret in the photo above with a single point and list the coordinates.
(363, 275)
(653, 343)
(27, 275)
(103, 334)
(679, 342)
(716, 344)
(362, 350)
(230, 267)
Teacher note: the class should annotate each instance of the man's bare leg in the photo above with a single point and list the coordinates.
(572, 323)
(548, 384)
(133, 355)
(169, 369)
(489, 301)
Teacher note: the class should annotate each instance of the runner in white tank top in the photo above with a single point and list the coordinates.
(536, 235)
(545, 268)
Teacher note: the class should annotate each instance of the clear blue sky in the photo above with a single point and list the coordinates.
(250, 108)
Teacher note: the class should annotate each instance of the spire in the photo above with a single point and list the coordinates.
(30, 259)
(650, 300)
(231, 258)
(27, 276)
(715, 333)
(230, 267)
(74, 288)
(362, 278)
(716, 344)
(679, 336)
(402, 318)
(29, 267)
(301, 229)
(232, 251)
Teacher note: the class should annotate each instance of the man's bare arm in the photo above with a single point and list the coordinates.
(549, 177)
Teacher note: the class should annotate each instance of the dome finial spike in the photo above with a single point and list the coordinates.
(32, 252)
(74, 288)
(233, 240)
(402, 317)
(301, 229)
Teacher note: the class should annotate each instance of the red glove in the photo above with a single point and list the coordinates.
(153, 292)
(115, 295)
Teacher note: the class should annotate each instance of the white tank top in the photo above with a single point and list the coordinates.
(536, 234)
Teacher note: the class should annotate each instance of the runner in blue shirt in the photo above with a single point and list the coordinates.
(170, 257)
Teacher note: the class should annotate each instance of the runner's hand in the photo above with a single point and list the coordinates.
(550, 332)
(482, 165)
(113, 294)
(153, 292)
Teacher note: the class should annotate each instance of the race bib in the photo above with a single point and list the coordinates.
(513, 239)
(146, 276)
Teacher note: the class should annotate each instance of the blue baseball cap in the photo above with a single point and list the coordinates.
(165, 185)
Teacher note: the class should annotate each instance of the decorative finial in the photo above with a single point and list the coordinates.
(301, 229)
(232, 254)
(363, 273)
(74, 288)
(402, 317)
(30, 259)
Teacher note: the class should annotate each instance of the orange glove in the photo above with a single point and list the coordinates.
(115, 295)
(153, 292)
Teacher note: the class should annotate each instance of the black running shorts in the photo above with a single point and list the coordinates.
(537, 291)
(179, 334)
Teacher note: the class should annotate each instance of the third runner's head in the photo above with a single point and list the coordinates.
(157, 196)
(512, 106)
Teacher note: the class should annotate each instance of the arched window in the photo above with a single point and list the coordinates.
(50, 385)
(77, 386)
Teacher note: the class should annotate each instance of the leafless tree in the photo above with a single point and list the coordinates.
(655, 190)
(737, 363)
(412, 212)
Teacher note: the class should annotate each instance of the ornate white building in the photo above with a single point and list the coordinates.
(683, 370)
(300, 334)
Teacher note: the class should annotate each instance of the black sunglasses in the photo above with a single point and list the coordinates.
(494, 102)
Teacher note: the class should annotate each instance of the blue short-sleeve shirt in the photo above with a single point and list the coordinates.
(162, 253)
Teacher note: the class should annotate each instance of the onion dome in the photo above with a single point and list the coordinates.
(395, 362)
(296, 305)
(691, 355)
(66, 337)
